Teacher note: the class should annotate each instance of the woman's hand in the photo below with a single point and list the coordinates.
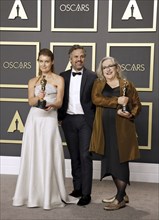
(41, 95)
(48, 108)
(123, 100)
(124, 114)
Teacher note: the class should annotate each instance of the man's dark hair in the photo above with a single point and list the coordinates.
(75, 47)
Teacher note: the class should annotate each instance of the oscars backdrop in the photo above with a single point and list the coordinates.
(125, 29)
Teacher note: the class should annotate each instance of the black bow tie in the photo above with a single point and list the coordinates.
(76, 73)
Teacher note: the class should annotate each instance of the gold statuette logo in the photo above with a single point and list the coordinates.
(16, 124)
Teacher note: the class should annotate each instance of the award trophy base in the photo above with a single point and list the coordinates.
(41, 104)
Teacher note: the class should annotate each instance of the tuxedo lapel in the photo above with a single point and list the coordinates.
(84, 79)
(67, 80)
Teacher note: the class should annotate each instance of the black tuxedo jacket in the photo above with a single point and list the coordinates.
(88, 78)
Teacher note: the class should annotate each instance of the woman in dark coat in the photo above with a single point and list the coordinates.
(114, 134)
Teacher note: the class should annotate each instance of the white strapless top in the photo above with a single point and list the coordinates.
(50, 91)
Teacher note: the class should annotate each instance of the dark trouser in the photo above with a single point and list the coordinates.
(78, 133)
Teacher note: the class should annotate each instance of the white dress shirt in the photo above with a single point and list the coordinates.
(74, 104)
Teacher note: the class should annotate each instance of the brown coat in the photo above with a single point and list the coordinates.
(125, 128)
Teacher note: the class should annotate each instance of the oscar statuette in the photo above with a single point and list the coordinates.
(42, 103)
(124, 88)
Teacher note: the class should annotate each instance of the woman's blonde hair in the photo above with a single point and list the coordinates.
(100, 68)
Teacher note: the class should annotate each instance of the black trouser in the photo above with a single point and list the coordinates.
(78, 133)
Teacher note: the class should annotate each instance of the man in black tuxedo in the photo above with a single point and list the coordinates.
(76, 116)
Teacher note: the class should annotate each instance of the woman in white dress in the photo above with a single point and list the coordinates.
(42, 173)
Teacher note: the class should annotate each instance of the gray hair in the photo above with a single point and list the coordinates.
(100, 68)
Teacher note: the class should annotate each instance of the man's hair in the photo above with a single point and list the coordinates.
(75, 47)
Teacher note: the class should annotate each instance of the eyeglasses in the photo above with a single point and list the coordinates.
(110, 66)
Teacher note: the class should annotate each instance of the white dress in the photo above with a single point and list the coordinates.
(42, 173)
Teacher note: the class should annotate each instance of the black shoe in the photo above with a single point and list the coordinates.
(84, 200)
(76, 193)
